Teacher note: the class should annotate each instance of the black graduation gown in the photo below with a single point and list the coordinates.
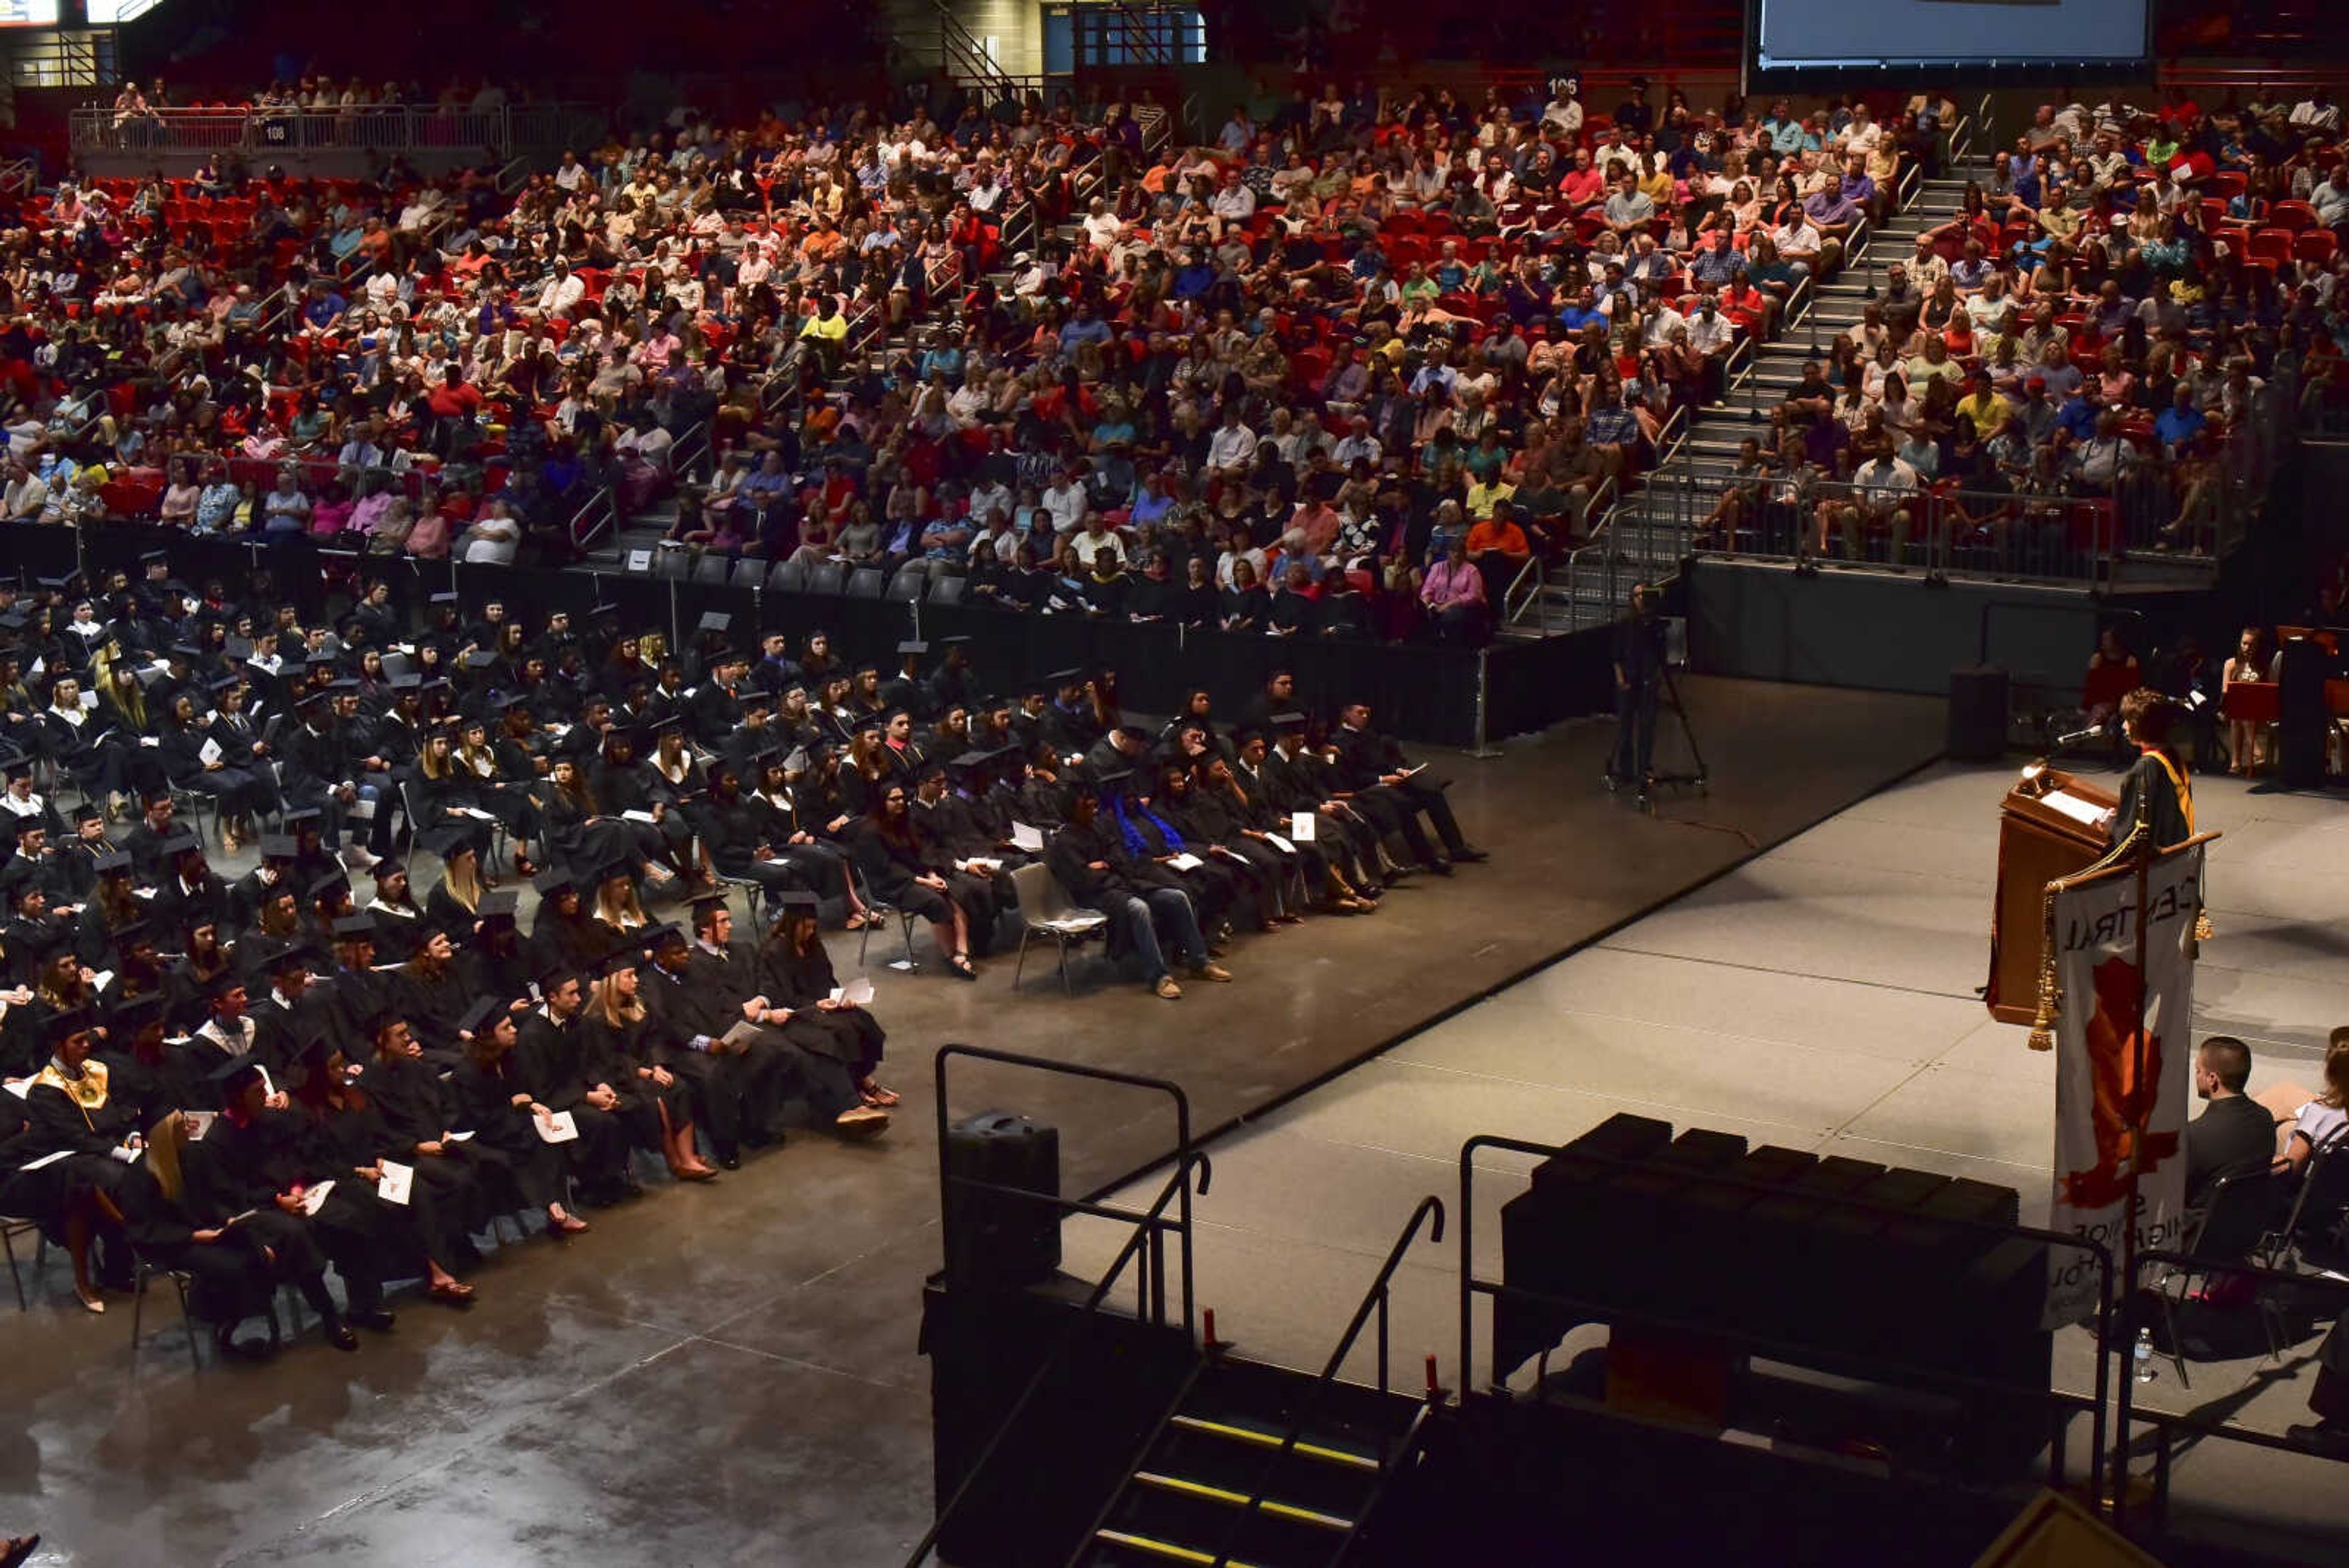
(430, 1225)
(232, 1276)
(2149, 783)
(734, 1094)
(484, 1104)
(547, 1061)
(613, 1053)
(471, 1180)
(248, 1164)
(850, 1036)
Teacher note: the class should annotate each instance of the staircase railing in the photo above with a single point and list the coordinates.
(1374, 1301)
(1147, 1240)
(962, 53)
(600, 511)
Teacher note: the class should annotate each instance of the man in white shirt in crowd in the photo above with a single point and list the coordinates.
(1883, 491)
(562, 292)
(1231, 448)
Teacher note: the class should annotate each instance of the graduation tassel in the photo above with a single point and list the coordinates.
(2042, 1026)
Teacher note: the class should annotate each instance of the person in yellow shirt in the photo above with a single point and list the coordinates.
(1988, 411)
(1483, 494)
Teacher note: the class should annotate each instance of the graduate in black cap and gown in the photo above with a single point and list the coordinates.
(71, 1110)
(253, 1161)
(621, 1056)
(345, 1140)
(235, 1260)
(550, 1062)
(797, 983)
(493, 1100)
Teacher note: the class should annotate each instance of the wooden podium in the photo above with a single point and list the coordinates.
(2050, 826)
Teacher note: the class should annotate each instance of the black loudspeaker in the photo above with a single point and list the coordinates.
(993, 1239)
(1978, 699)
(2300, 712)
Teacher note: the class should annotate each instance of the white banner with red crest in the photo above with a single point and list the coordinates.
(2121, 1106)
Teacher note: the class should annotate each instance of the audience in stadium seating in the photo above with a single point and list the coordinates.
(1365, 307)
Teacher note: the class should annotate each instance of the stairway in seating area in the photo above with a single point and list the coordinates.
(1647, 535)
(1187, 1500)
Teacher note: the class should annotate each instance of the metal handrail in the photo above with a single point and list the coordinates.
(954, 38)
(583, 526)
(375, 127)
(1961, 139)
(2099, 1257)
(1146, 1227)
(1374, 1300)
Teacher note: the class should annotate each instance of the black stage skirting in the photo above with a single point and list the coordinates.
(1420, 692)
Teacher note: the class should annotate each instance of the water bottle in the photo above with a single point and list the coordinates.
(2144, 1356)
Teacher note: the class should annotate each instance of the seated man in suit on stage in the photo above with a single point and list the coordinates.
(2234, 1133)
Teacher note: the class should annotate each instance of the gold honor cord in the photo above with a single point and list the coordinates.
(2203, 929)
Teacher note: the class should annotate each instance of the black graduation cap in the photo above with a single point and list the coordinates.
(301, 815)
(130, 931)
(556, 975)
(866, 667)
(444, 598)
(224, 684)
(71, 1022)
(1290, 721)
(409, 681)
(387, 869)
(628, 956)
(507, 701)
(354, 927)
(319, 662)
(311, 1054)
(26, 825)
(477, 659)
(669, 933)
(709, 901)
(481, 1012)
(230, 1076)
(341, 686)
(715, 620)
(187, 652)
(438, 683)
(222, 983)
(326, 887)
(89, 811)
(137, 1013)
(668, 723)
(957, 640)
(499, 904)
(612, 869)
(1116, 779)
(154, 558)
(300, 955)
(180, 844)
(913, 649)
(1064, 677)
(553, 880)
(278, 846)
(110, 862)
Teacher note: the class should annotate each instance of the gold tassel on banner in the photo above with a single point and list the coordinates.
(2043, 1027)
